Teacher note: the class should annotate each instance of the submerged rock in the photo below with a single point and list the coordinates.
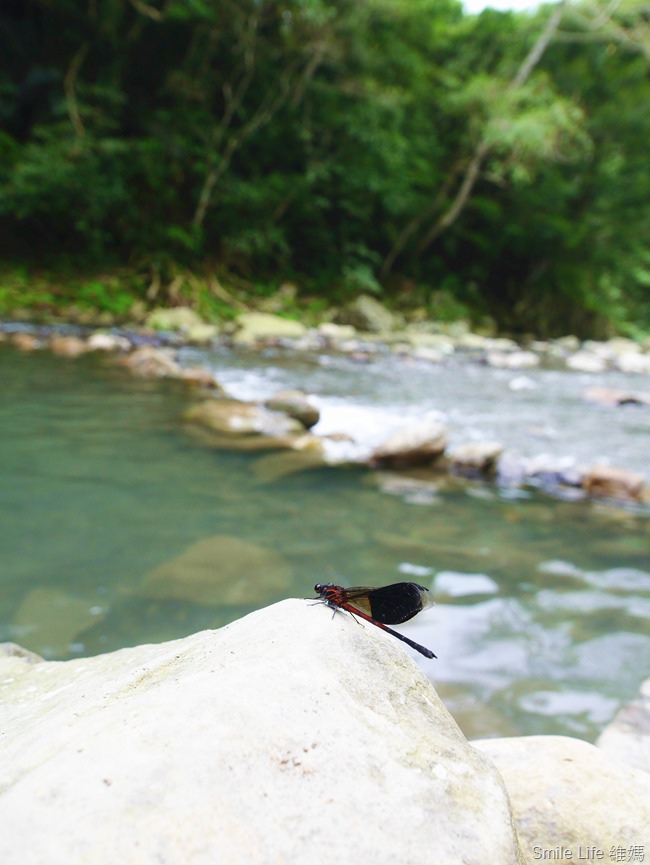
(222, 748)
(221, 569)
(61, 617)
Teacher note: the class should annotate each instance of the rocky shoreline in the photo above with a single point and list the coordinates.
(284, 422)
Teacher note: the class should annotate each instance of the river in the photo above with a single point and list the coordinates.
(114, 517)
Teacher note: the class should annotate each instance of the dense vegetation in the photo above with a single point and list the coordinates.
(496, 163)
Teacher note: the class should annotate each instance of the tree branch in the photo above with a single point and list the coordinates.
(482, 150)
(69, 83)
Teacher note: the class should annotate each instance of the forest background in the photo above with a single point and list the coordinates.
(493, 167)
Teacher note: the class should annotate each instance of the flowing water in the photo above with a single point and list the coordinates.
(120, 527)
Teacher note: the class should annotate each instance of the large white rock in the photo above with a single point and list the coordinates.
(287, 737)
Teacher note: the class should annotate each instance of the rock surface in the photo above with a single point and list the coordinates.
(367, 314)
(296, 404)
(614, 483)
(627, 738)
(232, 417)
(284, 737)
(476, 458)
(253, 326)
(567, 795)
(417, 445)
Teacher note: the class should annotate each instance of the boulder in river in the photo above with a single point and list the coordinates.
(201, 376)
(586, 361)
(287, 736)
(151, 362)
(512, 359)
(68, 346)
(613, 483)
(100, 341)
(567, 795)
(233, 417)
(25, 341)
(627, 737)
(421, 444)
(296, 404)
(613, 397)
(633, 362)
(476, 458)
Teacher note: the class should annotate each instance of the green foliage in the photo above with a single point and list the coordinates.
(327, 142)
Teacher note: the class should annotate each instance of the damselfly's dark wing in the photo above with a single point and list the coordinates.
(390, 604)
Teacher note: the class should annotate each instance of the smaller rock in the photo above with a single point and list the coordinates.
(476, 458)
(151, 362)
(627, 738)
(367, 314)
(25, 341)
(512, 359)
(180, 318)
(567, 343)
(473, 342)
(68, 346)
(421, 444)
(253, 326)
(633, 362)
(433, 355)
(585, 361)
(438, 341)
(620, 345)
(337, 332)
(612, 397)
(564, 791)
(613, 483)
(233, 417)
(107, 342)
(201, 377)
(296, 404)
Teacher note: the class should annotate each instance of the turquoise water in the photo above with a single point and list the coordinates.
(121, 527)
